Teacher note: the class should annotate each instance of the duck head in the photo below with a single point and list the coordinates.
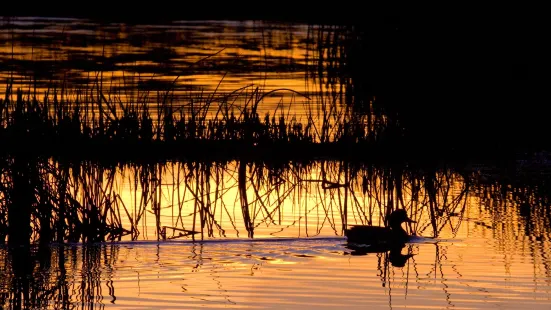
(396, 219)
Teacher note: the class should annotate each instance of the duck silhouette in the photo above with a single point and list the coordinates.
(391, 236)
(365, 239)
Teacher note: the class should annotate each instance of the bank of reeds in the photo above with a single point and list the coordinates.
(44, 201)
(89, 124)
(48, 201)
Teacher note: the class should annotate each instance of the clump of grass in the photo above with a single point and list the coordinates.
(219, 125)
(45, 201)
(63, 201)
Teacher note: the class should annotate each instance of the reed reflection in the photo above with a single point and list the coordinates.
(135, 59)
(401, 272)
(90, 202)
(61, 277)
(219, 273)
(518, 214)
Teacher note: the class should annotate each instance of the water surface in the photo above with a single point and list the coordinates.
(188, 58)
(269, 235)
(488, 250)
(472, 273)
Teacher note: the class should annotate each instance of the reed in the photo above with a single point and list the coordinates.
(90, 202)
(88, 124)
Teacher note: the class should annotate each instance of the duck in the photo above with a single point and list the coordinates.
(391, 236)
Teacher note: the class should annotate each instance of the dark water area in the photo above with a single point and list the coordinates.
(164, 11)
(368, 117)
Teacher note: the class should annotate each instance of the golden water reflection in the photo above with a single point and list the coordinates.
(272, 236)
(287, 274)
(242, 200)
(189, 58)
(485, 245)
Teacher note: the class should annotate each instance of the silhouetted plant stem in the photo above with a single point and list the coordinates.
(242, 177)
(22, 200)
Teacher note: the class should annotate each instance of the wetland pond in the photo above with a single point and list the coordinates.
(269, 234)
